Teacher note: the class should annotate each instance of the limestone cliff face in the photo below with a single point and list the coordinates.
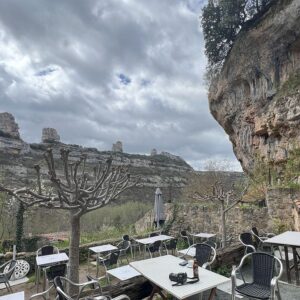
(256, 98)
(17, 160)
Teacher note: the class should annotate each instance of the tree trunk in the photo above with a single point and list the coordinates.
(20, 226)
(223, 224)
(73, 270)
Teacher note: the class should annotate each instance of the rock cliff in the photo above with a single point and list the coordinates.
(17, 160)
(256, 97)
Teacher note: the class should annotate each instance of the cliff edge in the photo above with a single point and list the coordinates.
(256, 97)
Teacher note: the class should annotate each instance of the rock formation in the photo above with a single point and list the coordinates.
(17, 160)
(153, 152)
(8, 126)
(50, 135)
(117, 147)
(256, 97)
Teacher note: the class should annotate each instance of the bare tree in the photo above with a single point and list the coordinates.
(75, 191)
(227, 199)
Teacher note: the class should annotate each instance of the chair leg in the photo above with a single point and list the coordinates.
(278, 292)
(9, 287)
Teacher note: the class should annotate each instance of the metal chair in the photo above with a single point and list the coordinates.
(45, 250)
(264, 283)
(154, 247)
(247, 240)
(205, 255)
(170, 245)
(53, 271)
(44, 295)
(6, 275)
(259, 239)
(109, 261)
(211, 243)
(185, 236)
(124, 246)
(60, 282)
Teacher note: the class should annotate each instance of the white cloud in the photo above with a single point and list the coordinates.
(101, 71)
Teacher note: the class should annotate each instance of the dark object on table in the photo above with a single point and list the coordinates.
(179, 278)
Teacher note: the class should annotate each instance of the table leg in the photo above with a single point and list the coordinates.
(97, 267)
(287, 263)
(88, 260)
(296, 265)
(156, 290)
(212, 294)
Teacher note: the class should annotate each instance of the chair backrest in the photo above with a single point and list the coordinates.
(172, 244)
(113, 258)
(60, 289)
(183, 233)
(255, 235)
(12, 265)
(153, 234)
(125, 237)
(203, 253)
(211, 243)
(263, 266)
(155, 246)
(246, 239)
(56, 270)
(47, 250)
(124, 245)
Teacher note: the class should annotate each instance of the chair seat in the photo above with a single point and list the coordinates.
(254, 290)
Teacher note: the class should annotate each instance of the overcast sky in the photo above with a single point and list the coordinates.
(102, 71)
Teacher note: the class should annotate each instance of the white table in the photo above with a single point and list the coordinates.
(52, 259)
(202, 235)
(188, 251)
(98, 250)
(14, 296)
(288, 239)
(124, 273)
(152, 239)
(157, 271)
(49, 260)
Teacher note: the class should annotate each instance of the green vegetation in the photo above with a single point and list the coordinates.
(221, 22)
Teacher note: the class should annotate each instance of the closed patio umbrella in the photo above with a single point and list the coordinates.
(159, 214)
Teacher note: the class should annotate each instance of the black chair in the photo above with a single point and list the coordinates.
(171, 245)
(247, 240)
(211, 243)
(153, 248)
(264, 281)
(6, 275)
(205, 255)
(109, 261)
(124, 246)
(53, 271)
(185, 236)
(152, 234)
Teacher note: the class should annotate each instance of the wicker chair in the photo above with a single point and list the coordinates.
(170, 245)
(109, 261)
(264, 283)
(211, 243)
(124, 246)
(247, 240)
(53, 271)
(153, 248)
(6, 275)
(185, 236)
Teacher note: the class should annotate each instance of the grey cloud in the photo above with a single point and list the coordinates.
(100, 71)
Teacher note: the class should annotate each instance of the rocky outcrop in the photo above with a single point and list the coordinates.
(256, 97)
(50, 135)
(17, 160)
(117, 147)
(8, 126)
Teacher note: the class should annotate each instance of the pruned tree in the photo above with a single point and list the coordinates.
(225, 198)
(76, 191)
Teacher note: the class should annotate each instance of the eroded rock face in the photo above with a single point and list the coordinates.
(117, 147)
(256, 98)
(50, 135)
(8, 126)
